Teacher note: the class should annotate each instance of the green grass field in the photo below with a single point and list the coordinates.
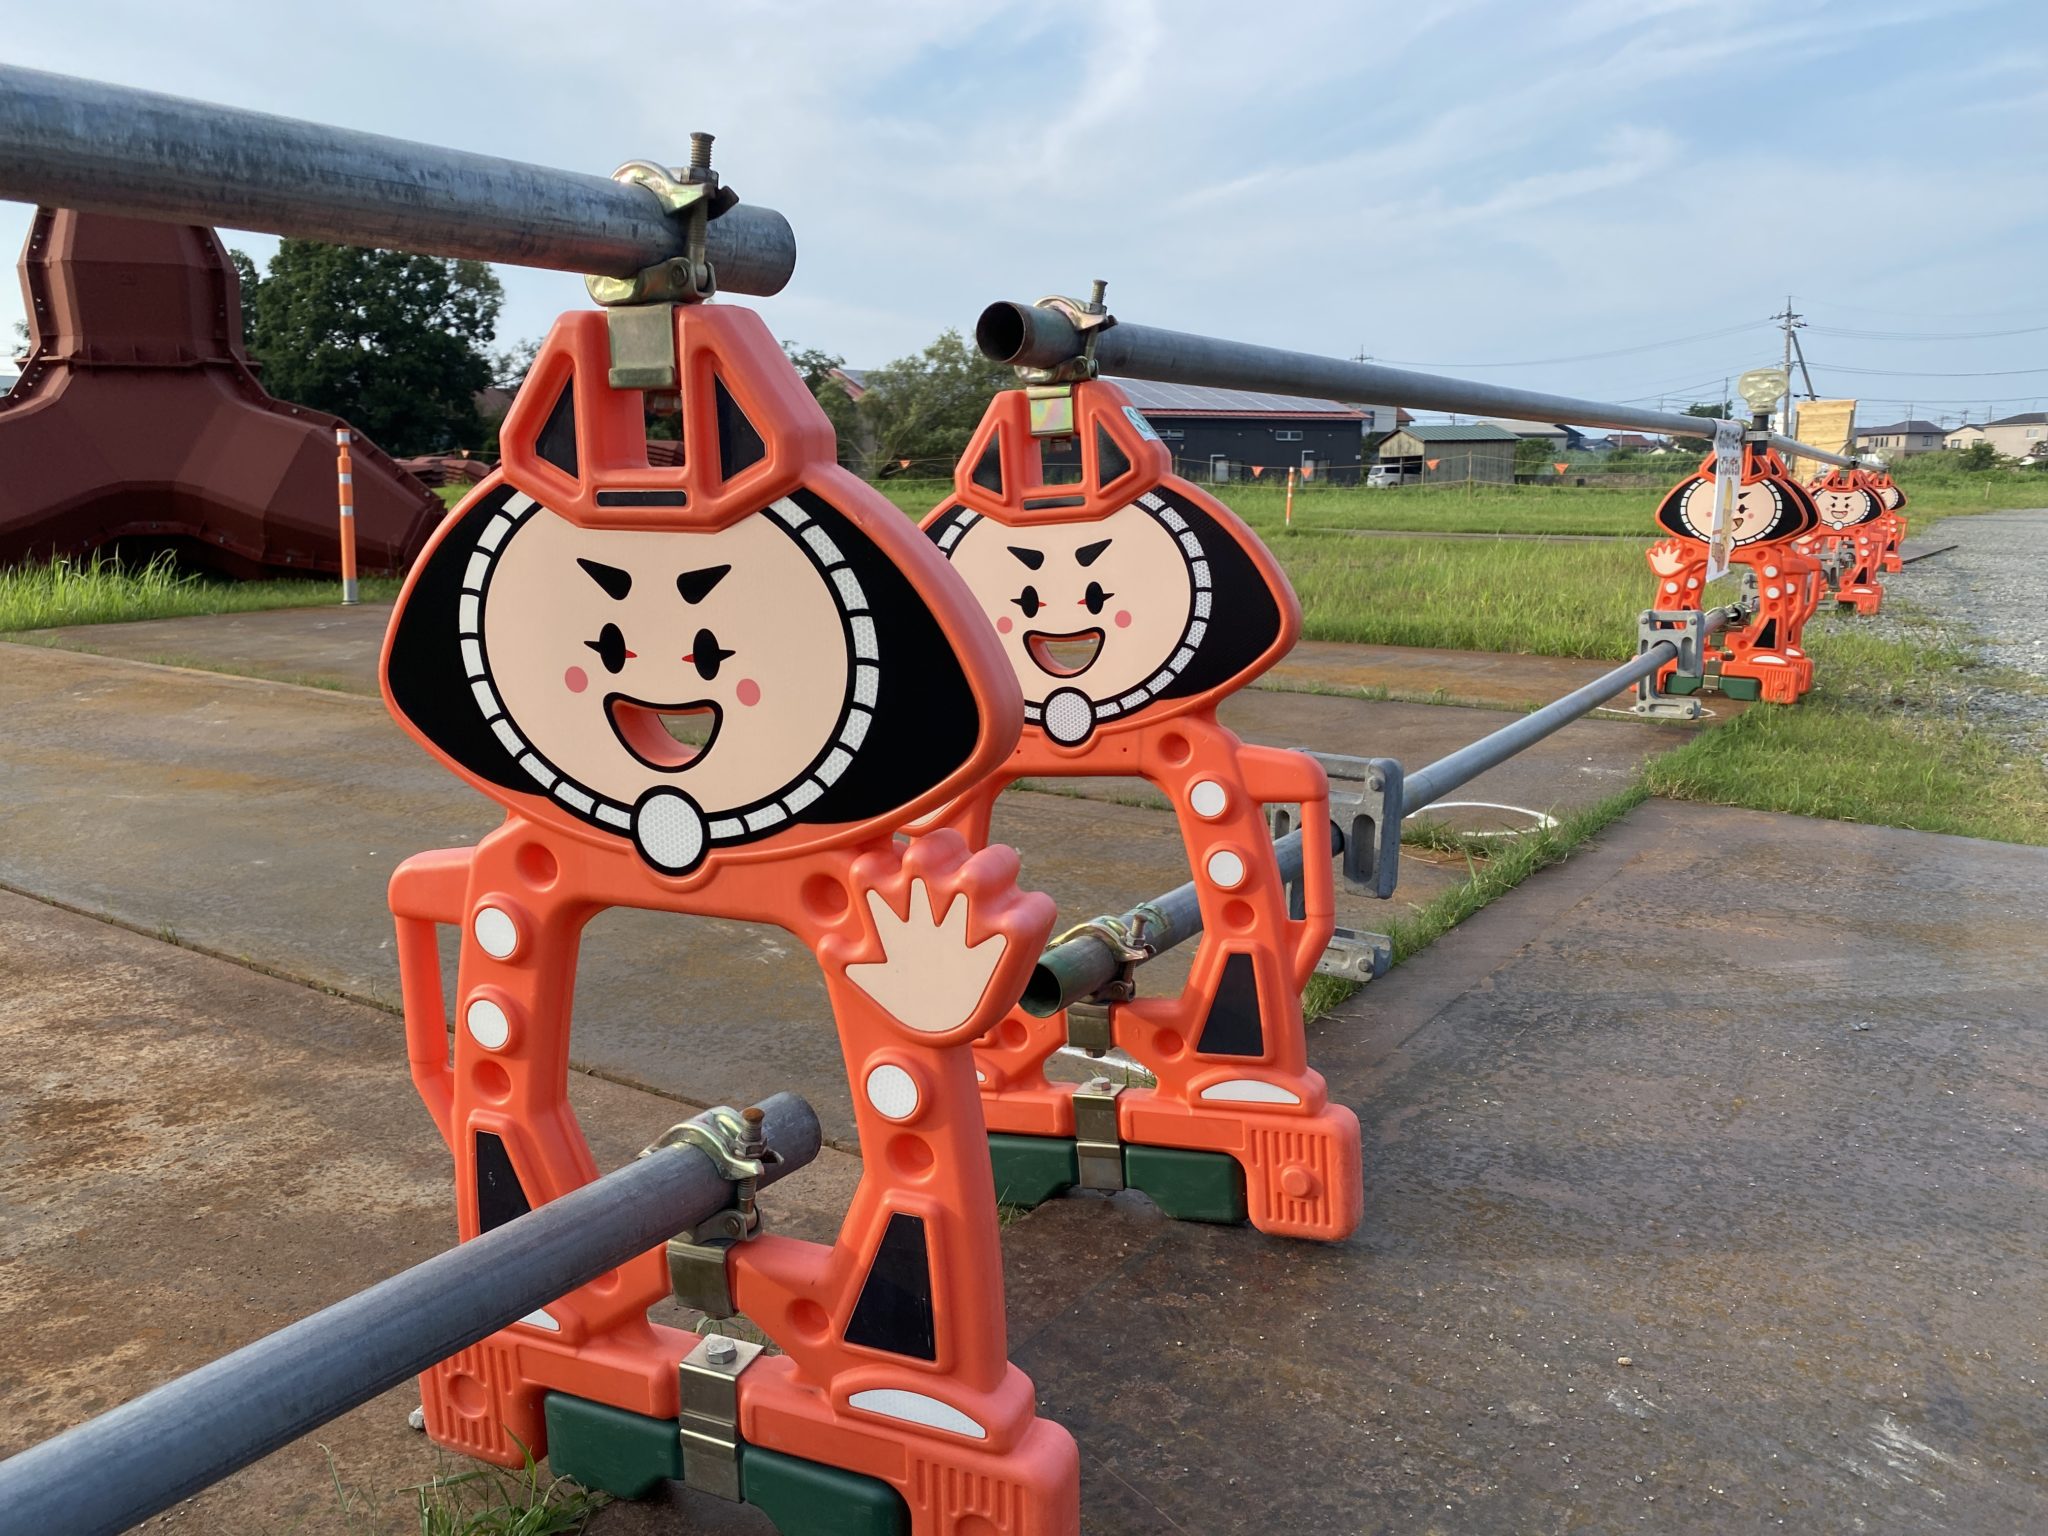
(100, 592)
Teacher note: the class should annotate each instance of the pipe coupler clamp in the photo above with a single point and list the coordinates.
(733, 1140)
(640, 309)
(1090, 319)
(1126, 942)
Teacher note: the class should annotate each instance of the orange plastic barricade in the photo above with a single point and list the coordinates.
(1130, 604)
(1761, 657)
(1849, 540)
(720, 688)
(1892, 522)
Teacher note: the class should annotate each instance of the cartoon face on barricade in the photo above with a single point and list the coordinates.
(1843, 503)
(1769, 506)
(1118, 604)
(696, 659)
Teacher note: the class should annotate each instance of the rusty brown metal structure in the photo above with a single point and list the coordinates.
(139, 424)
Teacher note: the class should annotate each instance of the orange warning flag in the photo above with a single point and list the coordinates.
(1432, 463)
(903, 463)
(1308, 471)
(1258, 470)
(1561, 468)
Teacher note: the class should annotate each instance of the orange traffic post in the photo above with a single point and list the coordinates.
(1290, 498)
(1761, 657)
(345, 480)
(1129, 604)
(720, 688)
(1849, 540)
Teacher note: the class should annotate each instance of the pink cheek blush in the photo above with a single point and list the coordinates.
(748, 692)
(575, 679)
(1123, 618)
(1003, 625)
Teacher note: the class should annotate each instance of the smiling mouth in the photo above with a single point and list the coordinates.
(665, 737)
(1064, 655)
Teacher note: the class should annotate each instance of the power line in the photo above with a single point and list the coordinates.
(1924, 373)
(1586, 357)
(1830, 330)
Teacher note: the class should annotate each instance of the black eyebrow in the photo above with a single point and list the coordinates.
(1032, 558)
(1088, 554)
(696, 585)
(616, 583)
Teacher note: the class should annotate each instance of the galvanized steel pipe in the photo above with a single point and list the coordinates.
(131, 1462)
(1034, 336)
(1073, 970)
(72, 143)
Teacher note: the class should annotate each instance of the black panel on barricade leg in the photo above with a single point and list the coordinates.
(499, 1197)
(1233, 1027)
(895, 1307)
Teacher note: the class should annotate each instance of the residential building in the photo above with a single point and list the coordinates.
(1897, 438)
(1434, 450)
(2024, 436)
(1637, 442)
(1560, 437)
(1234, 434)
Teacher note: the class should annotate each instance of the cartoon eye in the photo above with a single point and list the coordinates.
(1028, 601)
(610, 646)
(1096, 597)
(709, 656)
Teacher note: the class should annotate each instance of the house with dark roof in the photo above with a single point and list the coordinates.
(1236, 434)
(2024, 436)
(1895, 438)
(1436, 450)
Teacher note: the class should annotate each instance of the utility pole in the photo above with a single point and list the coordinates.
(1791, 321)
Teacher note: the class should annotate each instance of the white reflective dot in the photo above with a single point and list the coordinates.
(1209, 799)
(893, 1092)
(1770, 570)
(1692, 581)
(487, 1023)
(1770, 591)
(1226, 869)
(496, 932)
(1670, 586)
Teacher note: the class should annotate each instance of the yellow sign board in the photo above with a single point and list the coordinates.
(1829, 424)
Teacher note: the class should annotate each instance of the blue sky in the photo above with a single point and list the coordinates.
(1616, 193)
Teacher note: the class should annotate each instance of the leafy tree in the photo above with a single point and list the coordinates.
(393, 343)
(1712, 412)
(1977, 457)
(1533, 456)
(921, 408)
(815, 366)
(510, 367)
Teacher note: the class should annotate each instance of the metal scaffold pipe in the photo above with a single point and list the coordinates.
(1075, 968)
(126, 1465)
(71, 143)
(1037, 336)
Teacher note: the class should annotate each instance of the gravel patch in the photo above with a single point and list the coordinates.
(1988, 595)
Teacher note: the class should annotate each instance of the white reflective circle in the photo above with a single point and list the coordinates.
(1209, 799)
(487, 1023)
(1226, 869)
(496, 932)
(893, 1092)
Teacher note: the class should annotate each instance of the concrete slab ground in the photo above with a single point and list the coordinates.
(262, 820)
(196, 1155)
(1702, 1196)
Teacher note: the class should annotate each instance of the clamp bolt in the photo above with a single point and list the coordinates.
(721, 1351)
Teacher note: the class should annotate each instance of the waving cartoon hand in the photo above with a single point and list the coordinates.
(956, 938)
(1668, 557)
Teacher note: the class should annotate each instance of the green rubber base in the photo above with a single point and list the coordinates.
(1729, 687)
(1030, 1170)
(627, 1455)
(1188, 1186)
(631, 1456)
(806, 1498)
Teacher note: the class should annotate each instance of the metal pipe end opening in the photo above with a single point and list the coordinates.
(1001, 331)
(1042, 993)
